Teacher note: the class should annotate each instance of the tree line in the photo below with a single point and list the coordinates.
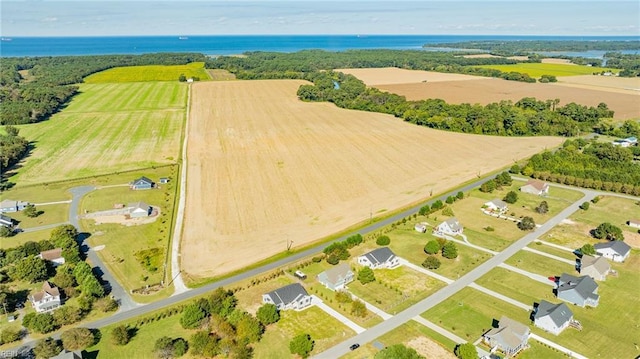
(12, 148)
(525, 47)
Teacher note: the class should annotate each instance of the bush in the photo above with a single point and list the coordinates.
(588, 249)
(77, 339)
(460, 195)
(366, 275)
(47, 348)
(343, 297)
(515, 169)
(450, 250)
(120, 335)
(268, 314)
(432, 247)
(358, 308)
(489, 229)
(511, 197)
(543, 207)
(383, 240)
(302, 345)
(448, 211)
(10, 335)
(192, 316)
(333, 259)
(584, 206)
(316, 259)
(431, 262)
(527, 224)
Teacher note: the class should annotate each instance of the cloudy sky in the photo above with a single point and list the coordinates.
(473, 17)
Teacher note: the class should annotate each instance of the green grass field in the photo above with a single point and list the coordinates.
(52, 214)
(516, 286)
(539, 264)
(538, 69)
(106, 128)
(149, 73)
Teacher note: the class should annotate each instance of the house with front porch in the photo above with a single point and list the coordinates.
(337, 277)
(449, 227)
(292, 296)
(46, 300)
(510, 337)
(379, 258)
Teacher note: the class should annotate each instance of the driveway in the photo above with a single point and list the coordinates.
(344, 320)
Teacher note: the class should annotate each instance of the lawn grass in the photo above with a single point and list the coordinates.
(22, 238)
(106, 128)
(539, 246)
(149, 73)
(52, 214)
(251, 297)
(123, 242)
(536, 70)
(516, 286)
(539, 264)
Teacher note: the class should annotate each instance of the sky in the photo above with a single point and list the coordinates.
(471, 17)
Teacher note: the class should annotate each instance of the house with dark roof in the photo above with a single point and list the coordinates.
(582, 291)
(533, 186)
(139, 209)
(53, 255)
(617, 251)
(65, 354)
(292, 296)
(337, 277)
(496, 205)
(552, 318)
(450, 227)
(142, 183)
(46, 300)
(379, 258)
(595, 267)
(10, 205)
(510, 337)
(6, 221)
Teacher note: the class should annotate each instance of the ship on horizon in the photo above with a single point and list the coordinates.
(183, 38)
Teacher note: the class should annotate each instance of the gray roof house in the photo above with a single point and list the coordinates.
(139, 209)
(46, 300)
(552, 318)
(337, 277)
(9, 205)
(292, 296)
(6, 221)
(142, 183)
(617, 251)
(582, 291)
(496, 205)
(451, 227)
(510, 337)
(65, 354)
(595, 267)
(379, 258)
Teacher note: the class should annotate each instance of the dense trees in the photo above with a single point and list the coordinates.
(192, 316)
(47, 348)
(431, 262)
(77, 339)
(588, 249)
(608, 231)
(12, 148)
(31, 268)
(523, 47)
(527, 224)
(366, 275)
(302, 345)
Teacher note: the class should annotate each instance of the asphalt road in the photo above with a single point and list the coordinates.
(446, 292)
(119, 293)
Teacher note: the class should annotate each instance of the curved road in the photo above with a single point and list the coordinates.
(119, 293)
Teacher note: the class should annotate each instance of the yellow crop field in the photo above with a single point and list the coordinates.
(536, 70)
(149, 73)
(266, 169)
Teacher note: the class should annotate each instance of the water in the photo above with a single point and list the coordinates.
(228, 45)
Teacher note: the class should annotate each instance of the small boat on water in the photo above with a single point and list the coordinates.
(183, 38)
(6, 39)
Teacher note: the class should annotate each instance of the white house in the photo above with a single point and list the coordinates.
(420, 227)
(139, 210)
(46, 300)
(510, 337)
(552, 318)
(634, 223)
(53, 255)
(451, 227)
(292, 296)
(496, 205)
(337, 277)
(379, 258)
(536, 187)
(617, 251)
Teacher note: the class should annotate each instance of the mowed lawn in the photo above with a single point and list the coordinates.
(538, 69)
(105, 129)
(149, 73)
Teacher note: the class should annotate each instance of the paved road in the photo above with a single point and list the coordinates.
(446, 292)
(119, 293)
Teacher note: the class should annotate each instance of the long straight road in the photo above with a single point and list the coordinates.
(446, 292)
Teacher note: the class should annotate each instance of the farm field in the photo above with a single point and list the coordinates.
(394, 75)
(149, 73)
(625, 85)
(105, 129)
(267, 168)
(555, 69)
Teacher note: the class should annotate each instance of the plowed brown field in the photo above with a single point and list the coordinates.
(265, 168)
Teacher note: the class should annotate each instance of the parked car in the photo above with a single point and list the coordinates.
(300, 275)
(354, 346)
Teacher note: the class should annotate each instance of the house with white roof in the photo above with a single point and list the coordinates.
(450, 227)
(336, 278)
(497, 206)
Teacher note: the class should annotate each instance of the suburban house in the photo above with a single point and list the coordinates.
(552, 318)
(292, 296)
(510, 337)
(337, 277)
(139, 210)
(142, 183)
(617, 251)
(582, 291)
(536, 187)
(634, 223)
(53, 255)
(6, 221)
(420, 227)
(496, 205)
(379, 258)
(65, 354)
(595, 267)
(9, 205)
(625, 142)
(451, 227)
(46, 300)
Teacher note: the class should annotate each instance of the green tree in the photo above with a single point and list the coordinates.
(466, 351)
(527, 224)
(31, 211)
(431, 262)
(302, 345)
(608, 231)
(432, 247)
(424, 210)
(383, 241)
(398, 351)
(585, 206)
(30, 268)
(6, 232)
(180, 347)
(63, 232)
(460, 195)
(192, 316)
(163, 347)
(120, 335)
(249, 329)
(366, 275)
(47, 348)
(64, 276)
(204, 344)
(358, 308)
(511, 197)
(10, 335)
(588, 249)
(450, 250)
(488, 186)
(268, 314)
(515, 169)
(91, 287)
(450, 200)
(543, 207)
(67, 314)
(41, 323)
(77, 339)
